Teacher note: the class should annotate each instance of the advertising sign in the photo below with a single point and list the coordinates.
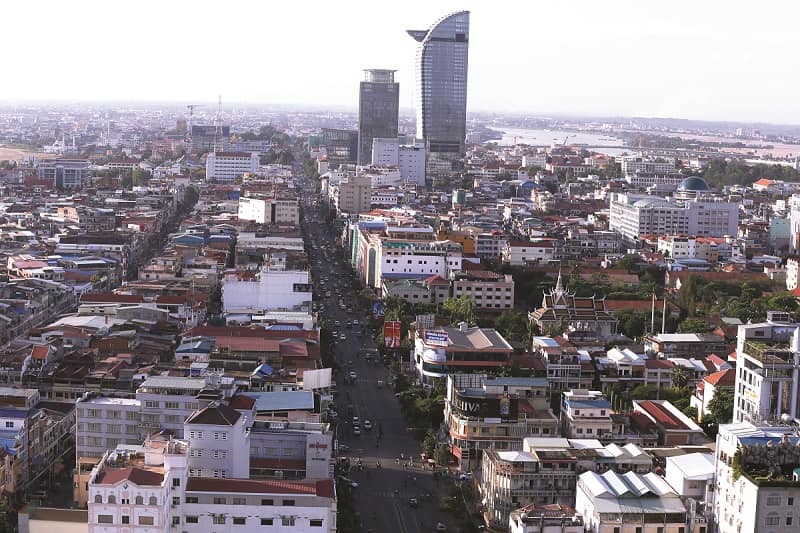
(426, 321)
(378, 309)
(434, 337)
(391, 334)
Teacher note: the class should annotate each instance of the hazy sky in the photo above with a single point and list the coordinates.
(732, 60)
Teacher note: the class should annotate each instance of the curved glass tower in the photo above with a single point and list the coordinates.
(441, 88)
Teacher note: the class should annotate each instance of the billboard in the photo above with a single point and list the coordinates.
(426, 321)
(317, 379)
(391, 334)
(436, 337)
(378, 309)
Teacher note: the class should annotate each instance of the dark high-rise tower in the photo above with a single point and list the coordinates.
(440, 91)
(378, 105)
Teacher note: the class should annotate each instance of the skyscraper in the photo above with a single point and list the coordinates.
(378, 104)
(441, 89)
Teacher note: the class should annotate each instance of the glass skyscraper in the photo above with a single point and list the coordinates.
(378, 105)
(441, 89)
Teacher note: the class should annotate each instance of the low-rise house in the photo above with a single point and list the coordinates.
(674, 428)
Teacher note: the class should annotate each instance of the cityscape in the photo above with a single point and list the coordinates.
(405, 314)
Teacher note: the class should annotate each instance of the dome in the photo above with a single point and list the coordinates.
(694, 183)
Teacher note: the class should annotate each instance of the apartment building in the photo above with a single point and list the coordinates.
(635, 216)
(408, 159)
(226, 167)
(490, 245)
(758, 486)
(767, 370)
(483, 413)
(267, 290)
(219, 442)
(353, 194)
(489, 290)
(63, 173)
(632, 164)
(585, 414)
(264, 210)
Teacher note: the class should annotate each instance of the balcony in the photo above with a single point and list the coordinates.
(771, 354)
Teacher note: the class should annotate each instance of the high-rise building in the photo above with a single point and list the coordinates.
(378, 105)
(341, 146)
(441, 89)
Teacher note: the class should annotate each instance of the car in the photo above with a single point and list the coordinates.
(413, 502)
(356, 421)
(342, 337)
(367, 424)
(380, 383)
(353, 375)
(466, 476)
(441, 527)
(344, 448)
(356, 430)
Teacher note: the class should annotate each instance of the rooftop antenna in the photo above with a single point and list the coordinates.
(190, 107)
(218, 124)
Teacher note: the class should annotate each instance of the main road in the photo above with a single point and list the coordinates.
(384, 493)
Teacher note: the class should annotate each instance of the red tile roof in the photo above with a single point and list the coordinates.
(242, 402)
(662, 417)
(723, 378)
(139, 476)
(102, 298)
(658, 364)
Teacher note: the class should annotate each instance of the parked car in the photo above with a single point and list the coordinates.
(413, 502)
(441, 527)
(367, 424)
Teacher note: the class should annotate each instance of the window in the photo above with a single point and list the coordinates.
(218, 520)
(220, 501)
(191, 519)
(267, 502)
(220, 454)
(98, 499)
(773, 500)
(659, 530)
(154, 405)
(9, 424)
(191, 499)
(105, 519)
(91, 427)
(126, 519)
(638, 530)
(171, 405)
(176, 520)
(616, 530)
(152, 500)
(176, 482)
(266, 521)
(773, 520)
(288, 503)
(196, 472)
(790, 501)
(176, 500)
(238, 520)
(317, 522)
(287, 521)
(240, 501)
(112, 498)
(196, 453)
(788, 520)
(139, 500)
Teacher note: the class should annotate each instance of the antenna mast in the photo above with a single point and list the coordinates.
(218, 124)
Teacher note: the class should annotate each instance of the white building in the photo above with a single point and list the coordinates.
(409, 159)
(747, 500)
(677, 247)
(792, 269)
(150, 489)
(692, 475)
(767, 370)
(225, 167)
(585, 414)
(636, 215)
(269, 210)
(629, 503)
(632, 164)
(219, 441)
(269, 290)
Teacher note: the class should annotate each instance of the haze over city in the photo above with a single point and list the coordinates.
(683, 59)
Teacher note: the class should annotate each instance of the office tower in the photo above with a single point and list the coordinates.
(441, 89)
(341, 146)
(378, 104)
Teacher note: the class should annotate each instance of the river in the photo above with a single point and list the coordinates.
(604, 144)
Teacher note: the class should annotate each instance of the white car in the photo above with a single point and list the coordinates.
(467, 476)
(353, 375)
(441, 527)
(367, 424)
(356, 430)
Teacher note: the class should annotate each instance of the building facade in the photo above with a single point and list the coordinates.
(269, 210)
(441, 89)
(225, 167)
(378, 107)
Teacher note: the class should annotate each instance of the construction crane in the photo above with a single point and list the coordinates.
(566, 139)
(188, 138)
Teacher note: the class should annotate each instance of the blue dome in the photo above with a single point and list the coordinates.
(694, 183)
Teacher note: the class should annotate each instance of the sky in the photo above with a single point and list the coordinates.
(734, 60)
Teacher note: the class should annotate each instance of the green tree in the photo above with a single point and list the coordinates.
(513, 326)
(694, 325)
(442, 455)
(632, 323)
(681, 376)
(720, 408)
(139, 177)
(461, 309)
